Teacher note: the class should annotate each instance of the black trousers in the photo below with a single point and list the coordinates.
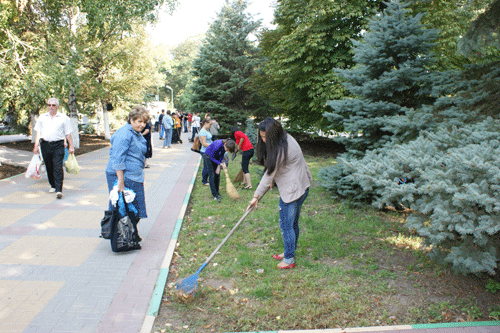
(53, 157)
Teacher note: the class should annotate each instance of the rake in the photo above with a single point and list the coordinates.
(187, 287)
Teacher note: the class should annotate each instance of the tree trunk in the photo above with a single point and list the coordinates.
(11, 116)
(106, 119)
(73, 116)
(34, 117)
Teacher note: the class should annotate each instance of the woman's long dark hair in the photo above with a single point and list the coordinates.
(234, 129)
(275, 146)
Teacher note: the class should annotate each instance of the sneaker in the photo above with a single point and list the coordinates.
(59, 195)
(206, 184)
(218, 199)
(52, 190)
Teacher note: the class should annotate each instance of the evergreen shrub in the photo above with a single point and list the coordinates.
(455, 196)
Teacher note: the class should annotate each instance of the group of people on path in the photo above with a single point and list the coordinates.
(277, 151)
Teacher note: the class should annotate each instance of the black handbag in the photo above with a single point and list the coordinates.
(124, 235)
(106, 224)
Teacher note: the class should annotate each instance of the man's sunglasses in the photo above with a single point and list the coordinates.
(51, 104)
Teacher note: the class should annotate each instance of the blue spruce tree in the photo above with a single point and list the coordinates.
(453, 167)
(390, 78)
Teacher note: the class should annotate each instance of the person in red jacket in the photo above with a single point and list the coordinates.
(243, 143)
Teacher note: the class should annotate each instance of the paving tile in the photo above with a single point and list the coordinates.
(21, 301)
(67, 184)
(34, 197)
(95, 200)
(49, 250)
(11, 216)
(75, 219)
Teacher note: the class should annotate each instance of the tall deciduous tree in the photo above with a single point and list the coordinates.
(225, 63)
(42, 42)
(181, 72)
(311, 38)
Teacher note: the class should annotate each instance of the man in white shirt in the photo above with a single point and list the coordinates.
(51, 130)
(195, 127)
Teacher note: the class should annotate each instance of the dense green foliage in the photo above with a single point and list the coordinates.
(390, 78)
(180, 75)
(435, 153)
(311, 38)
(86, 53)
(225, 63)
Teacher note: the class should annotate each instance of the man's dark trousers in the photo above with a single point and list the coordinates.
(53, 156)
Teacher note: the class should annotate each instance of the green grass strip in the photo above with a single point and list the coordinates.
(464, 324)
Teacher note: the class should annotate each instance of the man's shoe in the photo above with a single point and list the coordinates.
(52, 190)
(218, 199)
(59, 195)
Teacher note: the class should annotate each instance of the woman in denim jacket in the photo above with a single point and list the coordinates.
(127, 158)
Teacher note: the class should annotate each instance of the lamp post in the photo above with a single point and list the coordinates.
(172, 96)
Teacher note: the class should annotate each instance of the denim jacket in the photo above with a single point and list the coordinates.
(128, 151)
(168, 122)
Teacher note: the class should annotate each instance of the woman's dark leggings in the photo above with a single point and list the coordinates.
(245, 160)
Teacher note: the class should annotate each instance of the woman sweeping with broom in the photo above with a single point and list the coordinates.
(212, 159)
(243, 143)
(283, 163)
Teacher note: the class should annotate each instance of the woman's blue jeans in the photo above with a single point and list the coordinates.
(168, 137)
(204, 172)
(289, 224)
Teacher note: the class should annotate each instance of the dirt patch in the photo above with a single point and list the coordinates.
(7, 171)
(88, 143)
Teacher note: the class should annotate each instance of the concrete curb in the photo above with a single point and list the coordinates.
(154, 306)
(405, 328)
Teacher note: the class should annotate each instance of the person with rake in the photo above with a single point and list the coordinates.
(213, 159)
(284, 164)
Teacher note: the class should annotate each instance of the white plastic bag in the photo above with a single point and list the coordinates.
(34, 168)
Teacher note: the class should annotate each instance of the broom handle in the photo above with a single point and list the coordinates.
(227, 175)
(224, 240)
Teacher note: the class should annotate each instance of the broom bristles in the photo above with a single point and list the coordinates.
(239, 177)
(230, 189)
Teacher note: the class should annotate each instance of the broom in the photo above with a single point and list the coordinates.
(230, 189)
(187, 288)
(239, 177)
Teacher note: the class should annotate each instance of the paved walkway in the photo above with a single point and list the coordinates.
(57, 275)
